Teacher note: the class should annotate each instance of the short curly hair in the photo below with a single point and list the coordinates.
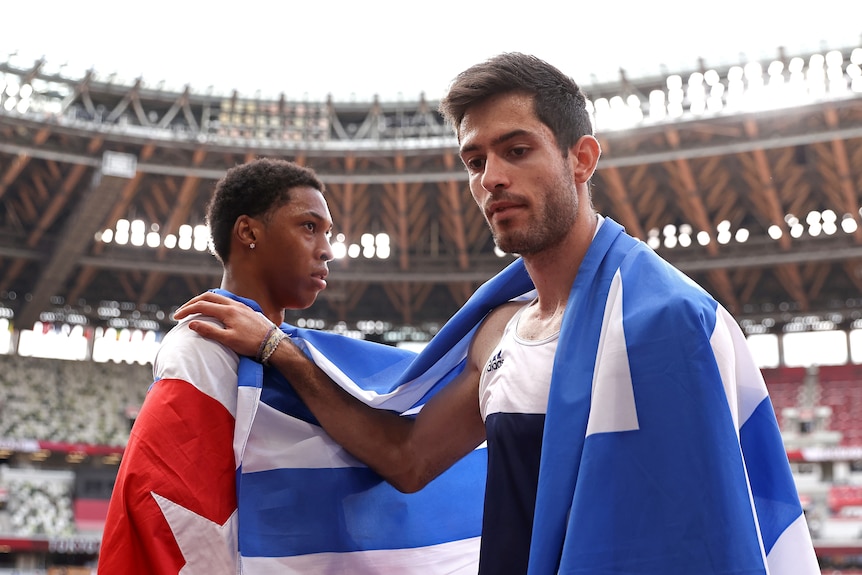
(559, 102)
(254, 189)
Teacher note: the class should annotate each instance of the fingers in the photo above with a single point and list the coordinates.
(207, 303)
(208, 330)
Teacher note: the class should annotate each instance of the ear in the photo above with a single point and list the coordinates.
(584, 155)
(245, 230)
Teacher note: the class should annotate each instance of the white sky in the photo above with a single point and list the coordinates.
(359, 48)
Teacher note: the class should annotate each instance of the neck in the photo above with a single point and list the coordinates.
(248, 289)
(553, 271)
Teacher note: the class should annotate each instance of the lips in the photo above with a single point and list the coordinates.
(498, 207)
(321, 277)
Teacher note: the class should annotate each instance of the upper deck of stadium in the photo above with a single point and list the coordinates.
(747, 177)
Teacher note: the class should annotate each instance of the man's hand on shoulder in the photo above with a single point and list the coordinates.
(242, 329)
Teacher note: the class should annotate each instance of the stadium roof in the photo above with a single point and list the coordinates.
(357, 50)
(754, 193)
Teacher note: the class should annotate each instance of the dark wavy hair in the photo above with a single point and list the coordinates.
(255, 189)
(558, 101)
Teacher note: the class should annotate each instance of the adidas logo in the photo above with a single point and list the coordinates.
(495, 362)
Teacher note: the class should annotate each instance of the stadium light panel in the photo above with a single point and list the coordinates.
(339, 250)
(834, 58)
(775, 232)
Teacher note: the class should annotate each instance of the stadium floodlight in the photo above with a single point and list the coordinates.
(339, 250)
(775, 232)
(657, 108)
(138, 232)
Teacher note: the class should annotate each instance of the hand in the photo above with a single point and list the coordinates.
(243, 328)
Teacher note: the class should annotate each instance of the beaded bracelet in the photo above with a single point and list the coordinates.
(267, 347)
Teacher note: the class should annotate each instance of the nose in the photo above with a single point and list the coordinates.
(326, 251)
(494, 175)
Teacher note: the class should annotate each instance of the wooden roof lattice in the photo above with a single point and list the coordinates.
(392, 167)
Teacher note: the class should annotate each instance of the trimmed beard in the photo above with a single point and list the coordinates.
(559, 214)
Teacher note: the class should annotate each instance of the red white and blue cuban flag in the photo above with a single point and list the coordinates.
(661, 453)
(226, 471)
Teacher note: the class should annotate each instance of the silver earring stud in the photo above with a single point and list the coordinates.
(251, 245)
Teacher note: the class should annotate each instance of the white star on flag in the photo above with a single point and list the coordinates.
(206, 546)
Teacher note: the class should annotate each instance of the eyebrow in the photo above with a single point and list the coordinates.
(498, 140)
(313, 214)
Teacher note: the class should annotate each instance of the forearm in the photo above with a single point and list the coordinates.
(407, 452)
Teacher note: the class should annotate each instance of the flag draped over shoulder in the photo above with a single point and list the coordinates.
(306, 506)
(226, 471)
(661, 450)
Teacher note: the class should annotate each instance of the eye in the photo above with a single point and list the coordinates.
(310, 226)
(519, 151)
(475, 164)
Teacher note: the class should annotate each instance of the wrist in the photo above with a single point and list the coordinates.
(269, 344)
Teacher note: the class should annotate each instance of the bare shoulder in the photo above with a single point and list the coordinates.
(491, 330)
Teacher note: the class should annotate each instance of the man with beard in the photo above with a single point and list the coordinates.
(628, 429)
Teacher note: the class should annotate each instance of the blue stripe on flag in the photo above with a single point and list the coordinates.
(287, 512)
(775, 495)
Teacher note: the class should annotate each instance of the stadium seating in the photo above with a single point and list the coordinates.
(840, 387)
(74, 402)
(39, 506)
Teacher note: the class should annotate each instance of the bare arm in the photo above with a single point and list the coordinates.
(407, 452)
